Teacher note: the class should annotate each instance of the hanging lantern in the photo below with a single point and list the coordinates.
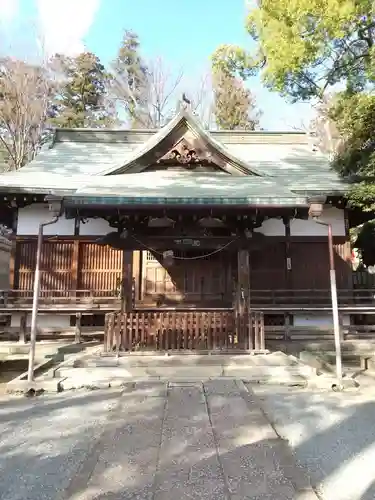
(168, 258)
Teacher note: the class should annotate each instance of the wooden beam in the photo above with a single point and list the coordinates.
(216, 242)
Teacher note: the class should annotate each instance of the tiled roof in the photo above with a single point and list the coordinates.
(283, 165)
(174, 188)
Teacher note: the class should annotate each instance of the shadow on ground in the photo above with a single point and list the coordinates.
(332, 435)
(96, 445)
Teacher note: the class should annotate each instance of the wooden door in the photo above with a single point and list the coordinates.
(188, 281)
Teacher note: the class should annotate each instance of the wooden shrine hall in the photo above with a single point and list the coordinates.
(179, 238)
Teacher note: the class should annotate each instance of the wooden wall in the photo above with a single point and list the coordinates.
(309, 261)
(81, 264)
(68, 265)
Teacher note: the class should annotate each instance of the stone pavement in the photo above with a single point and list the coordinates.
(190, 441)
(150, 440)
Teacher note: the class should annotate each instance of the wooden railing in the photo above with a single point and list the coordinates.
(181, 330)
(23, 298)
(312, 297)
(282, 299)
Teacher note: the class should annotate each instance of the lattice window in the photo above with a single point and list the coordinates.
(150, 257)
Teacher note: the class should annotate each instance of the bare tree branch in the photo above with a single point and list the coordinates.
(25, 92)
(151, 102)
(163, 86)
(203, 101)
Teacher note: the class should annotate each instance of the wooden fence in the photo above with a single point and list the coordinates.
(178, 330)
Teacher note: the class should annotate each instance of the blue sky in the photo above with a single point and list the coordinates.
(183, 33)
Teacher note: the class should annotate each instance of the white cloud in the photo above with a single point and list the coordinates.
(64, 24)
(8, 10)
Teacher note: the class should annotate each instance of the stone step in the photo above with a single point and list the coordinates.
(16, 357)
(346, 346)
(273, 359)
(254, 373)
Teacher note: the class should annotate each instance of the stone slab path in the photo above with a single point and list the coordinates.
(191, 441)
(151, 441)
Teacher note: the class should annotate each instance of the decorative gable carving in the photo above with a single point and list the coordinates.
(184, 144)
(185, 154)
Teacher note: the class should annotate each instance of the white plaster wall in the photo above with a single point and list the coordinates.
(31, 216)
(44, 320)
(318, 320)
(299, 227)
(272, 227)
(331, 215)
(95, 227)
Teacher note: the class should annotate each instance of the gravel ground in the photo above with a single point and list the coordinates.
(43, 441)
(332, 434)
(188, 442)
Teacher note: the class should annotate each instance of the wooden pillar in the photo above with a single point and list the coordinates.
(136, 273)
(12, 265)
(288, 272)
(126, 289)
(242, 305)
(13, 253)
(288, 255)
(75, 258)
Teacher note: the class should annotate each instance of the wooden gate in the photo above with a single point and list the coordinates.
(178, 330)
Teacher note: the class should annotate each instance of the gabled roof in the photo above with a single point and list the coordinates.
(264, 163)
(162, 141)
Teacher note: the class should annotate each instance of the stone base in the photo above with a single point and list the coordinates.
(18, 386)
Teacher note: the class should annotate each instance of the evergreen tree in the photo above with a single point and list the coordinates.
(82, 98)
(130, 81)
(234, 105)
(145, 91)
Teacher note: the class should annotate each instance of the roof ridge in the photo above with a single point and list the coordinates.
(182, 117)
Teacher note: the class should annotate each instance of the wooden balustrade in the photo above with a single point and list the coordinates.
(18, 299)
(312, 297)
(181, 330)
(258, 298)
